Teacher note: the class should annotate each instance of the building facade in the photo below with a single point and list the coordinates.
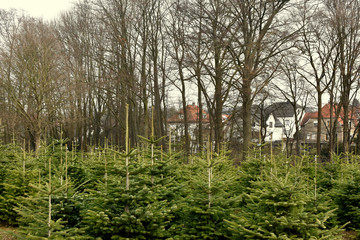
(310, 122)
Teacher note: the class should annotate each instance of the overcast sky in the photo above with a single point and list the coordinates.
(47, 9)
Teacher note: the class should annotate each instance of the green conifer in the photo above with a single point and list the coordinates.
(280, 205)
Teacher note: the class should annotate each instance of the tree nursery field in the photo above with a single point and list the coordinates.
(147, 193)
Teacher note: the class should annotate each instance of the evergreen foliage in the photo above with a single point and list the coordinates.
(346, 194)
(143, 211)
(151, 194)
(202, 208)
(15, 176)
(279, 205)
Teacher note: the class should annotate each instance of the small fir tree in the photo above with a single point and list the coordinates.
(279, 205)
(209, 196)
(346, 194)
(16, 174)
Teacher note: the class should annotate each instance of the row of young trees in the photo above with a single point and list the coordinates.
(148, 193)
(74, 76)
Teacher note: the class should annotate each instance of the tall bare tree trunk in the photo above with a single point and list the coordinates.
(318, 129)
(246, 115)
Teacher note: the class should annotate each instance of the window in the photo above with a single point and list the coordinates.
(287, 122)
(270, 124)
(315, 123)
(181, 116)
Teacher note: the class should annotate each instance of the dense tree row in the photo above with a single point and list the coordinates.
(147, 193)
(73, 77)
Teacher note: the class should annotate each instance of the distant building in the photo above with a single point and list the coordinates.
(310, 122)
(278, 121)
(176, 122)
(177, 126)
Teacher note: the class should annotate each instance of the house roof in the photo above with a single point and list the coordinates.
(192, 115)
(281, 109)
(325, 113)
(308, 116)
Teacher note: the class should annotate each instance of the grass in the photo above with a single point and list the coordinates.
(350, 235)
(7, 233)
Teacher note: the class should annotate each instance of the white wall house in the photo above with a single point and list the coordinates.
(280, 121)
(280, 128)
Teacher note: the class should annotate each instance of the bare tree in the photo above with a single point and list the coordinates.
(176, 32)
(141, 34)
(9, 26)
(31, 76)
(76, 31)
(345, 19)
(116, 17)
(296, 91)
(196, 56)
(217, 78)
(155, 38)
(317, 50)
(260, 32)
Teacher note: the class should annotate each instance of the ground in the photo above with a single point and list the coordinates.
(5, 233)
(350, 235)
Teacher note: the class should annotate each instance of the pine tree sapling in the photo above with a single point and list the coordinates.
(278, 206)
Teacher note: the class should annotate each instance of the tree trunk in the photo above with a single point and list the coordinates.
(246, 113)
(319, 119)
(200, 116)
(157, 102)
(37, 140)
(144, 90)
(218, 125)
(346, 129)
(297, 130)
(186, 124)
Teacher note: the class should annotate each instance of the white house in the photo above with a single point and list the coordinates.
(280, 121)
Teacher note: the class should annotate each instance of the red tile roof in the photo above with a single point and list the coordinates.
(192, 114)
(307, 116)
(325, 112)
